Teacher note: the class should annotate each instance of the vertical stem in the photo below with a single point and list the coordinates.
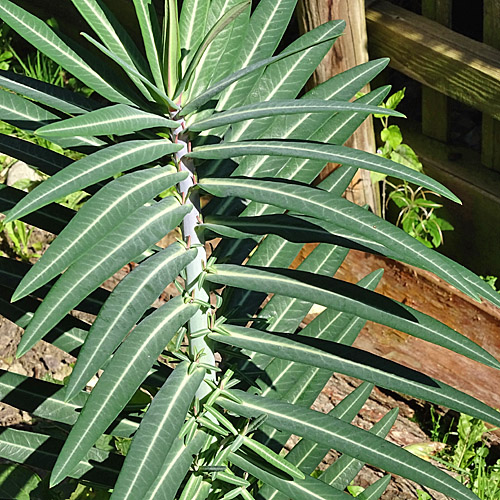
(195, 268)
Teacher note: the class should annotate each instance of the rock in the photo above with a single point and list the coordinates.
(20, 171)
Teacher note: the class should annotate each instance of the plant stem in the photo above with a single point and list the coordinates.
(194, 269)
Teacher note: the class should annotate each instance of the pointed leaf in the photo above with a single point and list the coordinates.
(158, 431)
(354, 362)
(325, 152)
(46, 400)
(91, 169)
(51, 218)
(133, 236)
(376, 490)
(281, 107)
(342, 472)
(219, 26)
(119, 119)
(224, 83)
(114, 36)
(175, 467)
(192, 28)
(298, 489)
(151, 37)
(116, 201)
(346, 297)
(41, 451)
(121, 378)
(44, 39)
(125, 306)
(45, 93)
(267, 25)
(348, 439)
(319, 204)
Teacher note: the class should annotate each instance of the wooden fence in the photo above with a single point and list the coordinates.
(450, 65)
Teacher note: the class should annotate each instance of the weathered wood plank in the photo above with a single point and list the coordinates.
(490, 151)
(441, 59)
(349, 50)
(435, 104)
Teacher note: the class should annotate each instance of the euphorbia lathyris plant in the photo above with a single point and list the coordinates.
(203, 110)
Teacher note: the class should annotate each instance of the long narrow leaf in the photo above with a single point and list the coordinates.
(352, 299)
(143, 228)
(125, 306)
(282, 107)
(91, 169)
(40, 451)
(159, 428)
(319, 204)
(348, 439)
(97, 217)
(119, 119)
(44, 39)
(120, 380)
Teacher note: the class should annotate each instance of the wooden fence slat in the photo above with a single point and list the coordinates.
(490, 150)
(435, 104)
(435, 56)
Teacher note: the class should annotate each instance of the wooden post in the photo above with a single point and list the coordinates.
(349, 50)
(490, 151)
(435, 104)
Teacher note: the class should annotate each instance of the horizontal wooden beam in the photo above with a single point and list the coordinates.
(435, 56)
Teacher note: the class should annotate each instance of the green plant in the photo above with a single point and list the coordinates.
(491, 280)
(467, 458)
(416, 211)
(202, 103)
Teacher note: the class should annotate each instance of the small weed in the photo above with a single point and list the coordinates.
(416, 210)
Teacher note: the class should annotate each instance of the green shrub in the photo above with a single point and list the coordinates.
(212, 383)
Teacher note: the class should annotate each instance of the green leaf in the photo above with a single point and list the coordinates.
(308, 454)
(192, 28)
(267, 25)
(392, 135)
(325, 152)
(131, 71)
(121, 378)
(281, 107)
(294, 229)
(347, 439)
(143, 229)
(353, 362)
(51, 218)
(175, 467)
(17, 482)
(47, 401)
(114, 36)
(45, 93)
(173, 47)
(346, 297)
(298, 489)
(119, 119)
(343, 471)
(44, 39)
(94, 220)
(218, 62)
(395, 99)
(319, 204)
(41, 450)
(377, 489)
(158, 431)
(91, 169)
(151, 37)
(224, 83)
(124, 307)
(219, 26)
